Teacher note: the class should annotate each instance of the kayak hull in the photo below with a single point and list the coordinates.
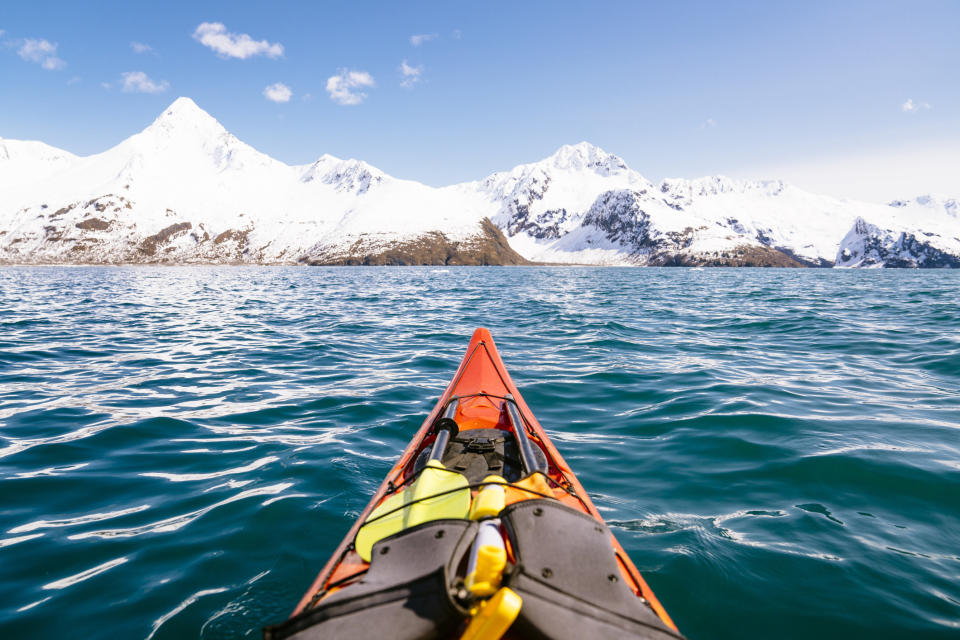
(480, 391)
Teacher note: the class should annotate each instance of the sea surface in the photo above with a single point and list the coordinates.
(181, 449)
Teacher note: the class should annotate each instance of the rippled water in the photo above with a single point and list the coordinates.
(182, 448)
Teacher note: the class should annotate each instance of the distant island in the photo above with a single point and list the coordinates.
(186, 191)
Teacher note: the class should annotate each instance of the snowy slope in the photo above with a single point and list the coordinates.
(25, 163)
(186, 190)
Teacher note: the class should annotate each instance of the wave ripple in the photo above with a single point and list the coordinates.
(182, 448)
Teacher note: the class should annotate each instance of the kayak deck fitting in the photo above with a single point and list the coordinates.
(480, 531)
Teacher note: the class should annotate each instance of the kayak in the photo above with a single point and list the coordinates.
(479, 531)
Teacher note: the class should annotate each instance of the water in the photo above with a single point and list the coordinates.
(181, 449)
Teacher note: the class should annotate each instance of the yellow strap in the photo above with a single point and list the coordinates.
(416, 505)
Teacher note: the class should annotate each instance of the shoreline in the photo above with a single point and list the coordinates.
(161, 265)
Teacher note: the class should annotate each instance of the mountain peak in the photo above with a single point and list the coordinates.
(345, 175)
(326, 160)
(31, 150)
(184, 105)
(582, 148)
(183, 113)
(186, 140)
(584, 155)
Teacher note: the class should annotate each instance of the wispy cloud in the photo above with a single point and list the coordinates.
(140, 47)
(42, 52)
(344, 88)
(140, 82)
(234, 45)
(456, 34)
(106, 85)
(74, 80)
(913, 107)
(278, 92)
(709, 123)
(411, 75)
(420, 38)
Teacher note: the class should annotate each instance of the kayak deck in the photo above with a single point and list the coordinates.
(486, 442)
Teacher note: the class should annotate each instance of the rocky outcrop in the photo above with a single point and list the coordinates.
(740, 256)
(868, 245)
(162, 238)
(619, 216)
(487, 247)
(345, 176)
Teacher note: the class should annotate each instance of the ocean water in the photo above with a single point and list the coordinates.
(181, 449)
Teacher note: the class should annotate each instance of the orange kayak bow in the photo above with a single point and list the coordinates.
(479, 531)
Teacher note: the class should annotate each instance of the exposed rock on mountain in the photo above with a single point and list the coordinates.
(489, 247)
(346, 176)
(868, 245)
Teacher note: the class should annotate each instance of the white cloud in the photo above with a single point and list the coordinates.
(343, 87)
(418, 39)
(139, 82)
(709, 123)
(913, 107)
(456, 34)
(140, 47)
(234, 45)
(74, 80)
(106, 85)
(411, 75)
(278, 92)
(43, 52)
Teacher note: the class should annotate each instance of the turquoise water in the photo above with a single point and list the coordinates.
(181, 449)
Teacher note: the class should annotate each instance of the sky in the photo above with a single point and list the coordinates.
(852, 99)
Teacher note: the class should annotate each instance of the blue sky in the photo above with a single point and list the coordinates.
(856, 99)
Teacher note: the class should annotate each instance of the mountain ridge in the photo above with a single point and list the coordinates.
(184, 189)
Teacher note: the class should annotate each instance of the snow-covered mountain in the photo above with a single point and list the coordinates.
(186, 190)
(924, 234)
